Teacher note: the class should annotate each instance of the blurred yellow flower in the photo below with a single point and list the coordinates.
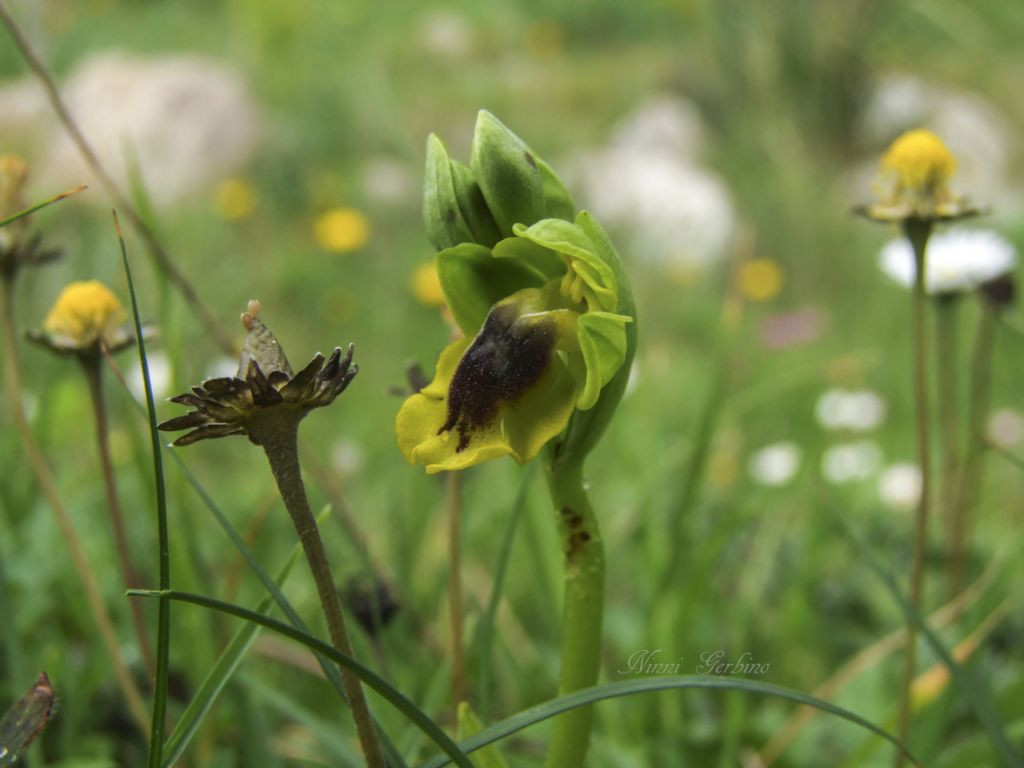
(234, 199)
(426, 286)
(760, 279)
(85, 313)
(342, 229)
(13, 172)
(919, 164)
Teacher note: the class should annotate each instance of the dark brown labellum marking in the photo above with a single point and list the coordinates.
(507, 357)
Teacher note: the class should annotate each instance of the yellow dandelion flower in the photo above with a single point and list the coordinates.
(760, 279)
(85, 313)
(235, 199)
(919, 164)
(426, 286)
(342, 229)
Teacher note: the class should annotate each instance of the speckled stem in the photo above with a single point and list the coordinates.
(917, 232)
(280, 442)
(582, 610)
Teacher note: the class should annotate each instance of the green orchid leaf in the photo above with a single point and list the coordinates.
(598, 279)
(508, 174)
(473, 281)
(603, 342)
(473, 206)
(546, 262)
(442, 215)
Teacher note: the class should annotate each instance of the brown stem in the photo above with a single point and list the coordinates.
(280, 442)
(970, 478)
(48, 487)
(160, 254)
(91, 366)
(917, 232)
(453, 488)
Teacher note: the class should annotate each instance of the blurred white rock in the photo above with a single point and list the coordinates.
(186, 120)
(647, 183)
(975, 130)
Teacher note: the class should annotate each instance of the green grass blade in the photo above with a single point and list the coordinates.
(589, 696)
(163, 642)
(975, 692)
(221, 672)
(390, 694)
(484, 638)
(39, 206)
(330, 670)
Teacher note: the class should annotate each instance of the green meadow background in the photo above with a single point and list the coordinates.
(346, 94)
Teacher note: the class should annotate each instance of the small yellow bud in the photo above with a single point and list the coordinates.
(85, 313)
(917, 168)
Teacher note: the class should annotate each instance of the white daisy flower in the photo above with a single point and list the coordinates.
(851, 461)
(899, 486)
(958, 260)
(858, 410)
(775, 464)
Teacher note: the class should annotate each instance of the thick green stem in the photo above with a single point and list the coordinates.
(582, 610)
(970, 477)
(48, 487)
(947, 370)
(91, 366)
(280, 442)
(453, 493)
(917, 232)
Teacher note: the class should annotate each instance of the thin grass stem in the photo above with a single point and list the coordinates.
(453, 502)
(48, 487)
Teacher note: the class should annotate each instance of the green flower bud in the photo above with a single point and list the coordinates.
(508, 174)
(442, 215)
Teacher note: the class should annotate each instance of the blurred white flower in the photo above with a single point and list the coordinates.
(222, 367)
(858, 410)
(899, 486)
(159, 376)
(775, 464)
(388, 180)
(958, 260)
(851, 461)
(646, 183)
(447, 34)
(347, 456)
(1005, 427)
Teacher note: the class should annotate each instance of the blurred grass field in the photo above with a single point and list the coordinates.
(346, 89)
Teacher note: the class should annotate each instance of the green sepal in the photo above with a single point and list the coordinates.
(508, 174)
(469, 725)
(590, 276)
(586, 426)
(557, 200)
(473, 281)
(602, 338)
(473, 206)
(545, 261)
(442, 214)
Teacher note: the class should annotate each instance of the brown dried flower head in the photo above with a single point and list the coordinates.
(265, 396)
